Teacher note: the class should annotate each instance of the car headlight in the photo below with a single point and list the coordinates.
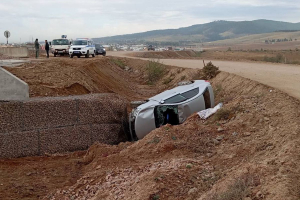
(136, 111)
(104, 49)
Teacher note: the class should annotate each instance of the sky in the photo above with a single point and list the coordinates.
(49, 19)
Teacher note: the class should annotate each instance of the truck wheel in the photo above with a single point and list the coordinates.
(87, 54)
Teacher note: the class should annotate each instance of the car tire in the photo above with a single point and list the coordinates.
(93, 55)
(87, 54)
(104, 54)
(185, 83)
(71, 56)
(55, 55)
(78, 56)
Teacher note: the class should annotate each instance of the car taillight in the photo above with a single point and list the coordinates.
(207, 81)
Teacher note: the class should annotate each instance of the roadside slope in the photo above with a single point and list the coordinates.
(253, 152)
(280, 76)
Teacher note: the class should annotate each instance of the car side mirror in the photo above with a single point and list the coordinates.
(162, 102)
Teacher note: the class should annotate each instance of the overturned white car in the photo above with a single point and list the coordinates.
(170, 107)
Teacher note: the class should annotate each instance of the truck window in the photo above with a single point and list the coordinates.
(60, 42)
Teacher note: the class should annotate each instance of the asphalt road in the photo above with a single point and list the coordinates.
(281, 76)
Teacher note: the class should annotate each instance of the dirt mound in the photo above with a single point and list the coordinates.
(254, 153)
(166, 54)
(126, 77)
(62, 77)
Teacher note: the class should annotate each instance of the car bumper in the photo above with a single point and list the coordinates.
(77, 52)
(59, 52)
(101, 52)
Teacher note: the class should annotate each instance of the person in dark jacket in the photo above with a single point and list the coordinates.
(37, 48)
(47, 48)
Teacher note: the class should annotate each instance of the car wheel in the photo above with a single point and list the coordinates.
(55, 55)
(87, 54)
(104, 54)
(93, 55)
(71, 56)
(185, 83)
(78, 56)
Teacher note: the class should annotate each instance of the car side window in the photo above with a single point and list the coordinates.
(182, 97)
(190, 94)
(175, 99)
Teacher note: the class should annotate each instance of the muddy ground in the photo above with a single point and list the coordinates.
(248, 150)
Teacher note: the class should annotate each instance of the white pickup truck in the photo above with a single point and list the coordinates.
(82, 47)
(60, 47)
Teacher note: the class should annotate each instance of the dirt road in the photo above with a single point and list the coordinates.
(280, 76)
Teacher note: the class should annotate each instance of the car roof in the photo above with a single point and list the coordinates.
(180, 89)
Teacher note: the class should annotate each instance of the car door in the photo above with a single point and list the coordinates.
(188, 103)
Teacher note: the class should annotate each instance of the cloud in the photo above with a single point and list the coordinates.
(47, 19)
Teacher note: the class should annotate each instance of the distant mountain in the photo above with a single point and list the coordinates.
(217, 30)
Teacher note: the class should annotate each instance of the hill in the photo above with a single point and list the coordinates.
(213, 31)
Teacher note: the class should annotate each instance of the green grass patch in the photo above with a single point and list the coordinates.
(155, 71)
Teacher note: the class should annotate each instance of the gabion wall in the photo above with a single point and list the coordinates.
(61, 124)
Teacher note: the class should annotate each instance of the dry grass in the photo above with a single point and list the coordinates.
(222, 114)
(280, 56)
(238, 190)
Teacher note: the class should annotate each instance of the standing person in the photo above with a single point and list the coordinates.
(47, 48)
(37, 48)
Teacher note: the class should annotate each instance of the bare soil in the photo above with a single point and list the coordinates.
(64, 76)
(255, 148)
(259, 55)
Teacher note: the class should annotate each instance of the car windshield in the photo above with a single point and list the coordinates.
(98, 46)
(79, 42)
(60, 42)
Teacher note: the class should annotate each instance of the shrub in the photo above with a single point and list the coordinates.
(119, 63)
(222, 114)
(238, 190)
(155, 70)
(210, 71)
(278, 59)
